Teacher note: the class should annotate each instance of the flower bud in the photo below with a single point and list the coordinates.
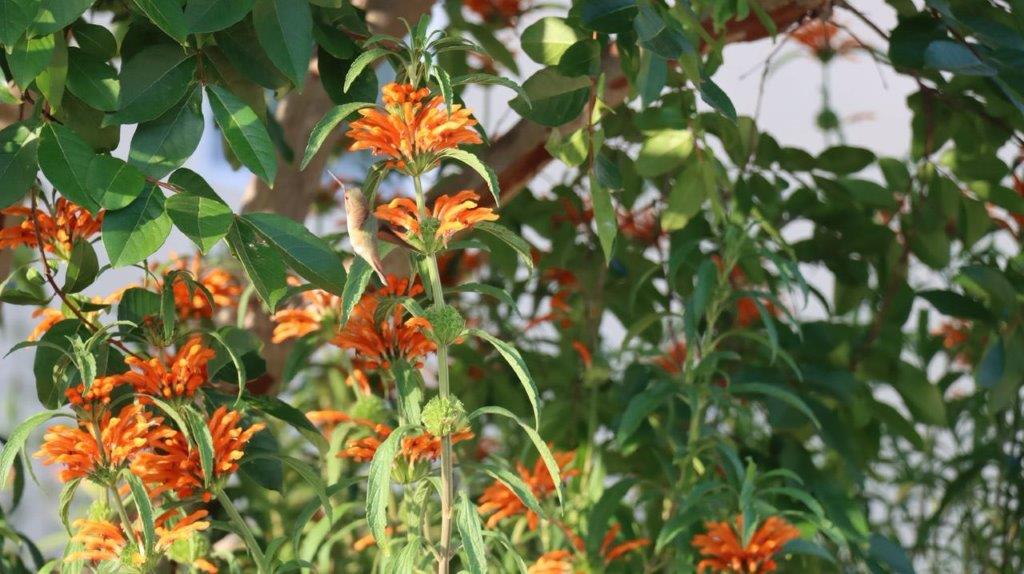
(442, 417)
(446, 323)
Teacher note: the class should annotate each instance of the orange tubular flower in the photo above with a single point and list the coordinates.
(501, 502)
(229, 439)
(611, 553)
(50, 318)
(674, 359)
(820, 37)
(223, 289)
(101, 540)
(450, 214)
(724, 553)
(411, 131)
(318, 308)
(423, 446)
(123, 437)
(554, 562)
(58, 230)
(380, 343)
(183, 529)
(170, 377)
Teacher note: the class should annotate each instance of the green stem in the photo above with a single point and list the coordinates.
(243, 527)
(444, 391)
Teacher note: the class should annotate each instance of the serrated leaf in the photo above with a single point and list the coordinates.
(16, 441)
(538, 443)
(483, 170)
(378, 488)
(471, 531)
(361, 61)
(203, 441)
(482, 79)
(144, 508)
(245, 133)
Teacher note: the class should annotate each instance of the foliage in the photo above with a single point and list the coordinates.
(616, 372)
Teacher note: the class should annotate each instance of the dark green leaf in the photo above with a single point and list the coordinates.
(553, 99)
(310, 256)
(137, 231)
(19, 144)
(82, 268)
(245, 133)
(262, 263)
(326, 125)
(205, 16)
(65, 160)
(162, 145)
(93, 80)
(167, 16)
(285, 30)
(151, 82)
(113, 182)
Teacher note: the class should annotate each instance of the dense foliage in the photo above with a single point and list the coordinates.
(584, 343)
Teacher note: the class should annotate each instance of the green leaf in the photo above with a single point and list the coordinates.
(137, 231)
(516, 484)
(775, 392)
(326, 125)
(308, 474)
(922, 397)
(65, 160)
(52, 81)
(548, 38)
(144, 508)
(538, 443)
(484, 289)
(167, 16)
(151, 82)
(515, 360)
(198, 211)
(162, 145)
(16, 441)
(955, 57)
(310, 256)
(29, 57)
(285, 30)
(113, 182)
(361, 61)
(552, 98)
(481, 79)
(601, 513)
(378, 488)
(661, 33)
(205, 16)
(200, 433)
(468, 521)
(56, 14)
(639, 408)
(67, 494)
(261, 262)
(689, 191)
(245, 133)
(83, 265)
(509, 238)
(95, 39)
(844, 159)
(955, 305)
(93, 80)
(605, 218)
(283, 411)
(716, 98)
(359, 275)
(608, 16)
(19, 145)
(484, 171)
(887, 551)
(15, 17)
(664, 151)
(52, 360)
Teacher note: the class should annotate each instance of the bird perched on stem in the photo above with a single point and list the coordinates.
(362, 227)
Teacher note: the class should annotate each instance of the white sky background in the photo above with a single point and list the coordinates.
(791, 102)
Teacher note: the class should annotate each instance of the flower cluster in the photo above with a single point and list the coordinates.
(58, 231)
(450, 214)
(219, 289)
(500, 502)
(723, 552)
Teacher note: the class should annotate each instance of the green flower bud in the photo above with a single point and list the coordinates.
(442, 417)
(368, 407)
(446, 323)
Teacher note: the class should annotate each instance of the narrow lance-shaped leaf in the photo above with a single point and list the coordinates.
(538, 443)
(468, 521)
(378, 489)
(515, 360)
(326, 125)
(16, 441)
(474, 163)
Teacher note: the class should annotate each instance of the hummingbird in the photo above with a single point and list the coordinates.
(362, 228)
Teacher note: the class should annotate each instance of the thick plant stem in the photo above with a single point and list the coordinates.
(444, 391)
(243, 528)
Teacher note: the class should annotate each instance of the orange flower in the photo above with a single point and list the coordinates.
(204, 565)
(377, 344)
(410, 131)
(50, 318)
(170, 377)
(123, 438)
(423, 446)
(494, 10)
(611, 553)
(747, 312)
(584, 353)
(101, 540)
(190, 301)
(501, 502)
(554, 562)
(821, 38)
(99, 392)
(368, 540)
(451, 214)
(674, 358)
(174, 466)
(58, 230)
(426, 446)
(182, 529)
(318, 309)
(723, 551)
(642, 225)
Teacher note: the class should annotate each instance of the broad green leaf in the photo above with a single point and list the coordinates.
(661, 33)
(56, 14)
(471, 531)
(845, 159)
(114, 183)
(205, 16)
(515, 360)
(242, 48)
(51, 82)
(957, 58)
(151, 82)
(167, 16)
(203, 220)
(15, 18)
(285, 30)
(716, 98)
(553, 99)
(261, 261)
(137, 231)
(664, 151)
(95, 40)
(378, 488)
(608, 16)
(326, 125)
(83, 265)
(890, 553)
(19, 144)
(689, 191)
(538, 443)
(144, 508)
(605, 217)
(483, 170)
(638, 409)
(162, 145)
(923, 398)
(29, 57)
(93, 80)
(548, 38)
(245, 133)
(52, 360)
(509, 238)
(65, 160)
(16, 441)
(310, 256)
